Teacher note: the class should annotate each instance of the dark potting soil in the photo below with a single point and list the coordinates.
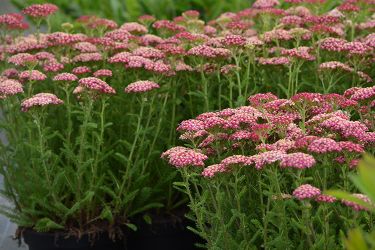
(167, 232)
(56, 241)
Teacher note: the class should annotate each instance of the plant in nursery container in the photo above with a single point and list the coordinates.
(69, 185)
(254, 174)
(88, 109)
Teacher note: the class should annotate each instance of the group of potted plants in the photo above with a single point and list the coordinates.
(90, 113)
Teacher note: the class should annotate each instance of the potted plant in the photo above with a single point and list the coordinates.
(68, 183)
(76, 164)
(117, 92)
(254, 174)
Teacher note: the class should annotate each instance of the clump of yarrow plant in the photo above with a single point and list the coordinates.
(89, 107)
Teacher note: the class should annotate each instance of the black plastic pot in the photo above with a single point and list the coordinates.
(167, 233)
(54, 241)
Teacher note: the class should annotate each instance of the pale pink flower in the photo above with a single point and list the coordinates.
(361, 94)
(52, 66)
(209, 52)
(191, 125)
(240, 160)
(62, 38)
(258, 100)
(95, 84)
(134, 27)
(333, 65)
(274, 61)
(67, 77)
(22, 59)
(297, 160)
(13, 21)
(43, 55)
(356, 206)
(81, 70)
(148, 52)
(300, 53)
(180, 157)
(351, 147)
(365, 77)
(141, 86)
(10, 73)
(333, 44)
(277, 34)
(212, 170)
(103, 73)
(85, 47)
(264, 4)
(40, 99)
(88, 57)
(32, 75)
(10, 87)
(325, 198)
(306, 191)
(265, 158)
(234, 40)
(40, 10)
(324, 145)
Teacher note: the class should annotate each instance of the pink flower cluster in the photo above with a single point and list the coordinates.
(41, 99)
(97, 85)
(40, 10)
(141, 86)
(184, 157)
(280, 138)
(67, 77)
(306, 191)
(10, 87)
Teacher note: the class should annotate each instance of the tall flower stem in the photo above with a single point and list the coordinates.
(87, 109)
(125, 177)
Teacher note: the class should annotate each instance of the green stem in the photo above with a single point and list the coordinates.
(126, 176)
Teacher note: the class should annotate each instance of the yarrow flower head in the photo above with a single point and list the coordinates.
(40, 10)
(103, 73)
(335, 65)
(265, 158)
(356, 206)
(209, 52)
(22, 59)
(88, 57)
(41, 99)
(9, 88)
(297, 160)
(95, 84)
(183, 157)
(13, 21)
(264, 4)
(324, 145)
(32, 75)
(81, 70)
(67, 77)
(325, 198)
(134, 27)
(191, 125)
(306, 191)
(141, 86)
(234, 40)
(274, 61)
(212, 170)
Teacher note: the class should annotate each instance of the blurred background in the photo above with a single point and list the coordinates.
(129, 10)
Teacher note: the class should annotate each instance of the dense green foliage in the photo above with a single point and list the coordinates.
(130, 10)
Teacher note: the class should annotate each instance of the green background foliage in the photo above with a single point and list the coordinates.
(127, 10)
